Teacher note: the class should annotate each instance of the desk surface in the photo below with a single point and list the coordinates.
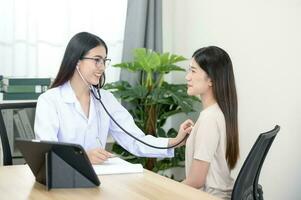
(17, 182)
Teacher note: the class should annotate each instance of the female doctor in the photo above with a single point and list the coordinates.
(70, 112)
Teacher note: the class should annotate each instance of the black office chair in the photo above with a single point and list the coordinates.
(7, 154)
(246, 186)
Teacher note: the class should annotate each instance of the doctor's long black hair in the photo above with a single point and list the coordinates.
(79, 45)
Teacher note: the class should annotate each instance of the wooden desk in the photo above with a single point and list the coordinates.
(17, 182)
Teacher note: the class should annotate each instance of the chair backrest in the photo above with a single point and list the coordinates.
(246, 184)
(14, 123)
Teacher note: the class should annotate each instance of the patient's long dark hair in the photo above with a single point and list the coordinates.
(79, 45)
(217, 64)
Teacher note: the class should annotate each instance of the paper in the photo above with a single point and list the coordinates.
(117, 166)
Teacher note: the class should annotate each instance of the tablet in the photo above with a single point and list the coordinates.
(34, 152)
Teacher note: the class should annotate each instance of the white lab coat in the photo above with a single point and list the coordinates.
(59, 117)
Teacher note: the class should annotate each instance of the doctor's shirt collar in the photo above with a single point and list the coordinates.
(67, 93)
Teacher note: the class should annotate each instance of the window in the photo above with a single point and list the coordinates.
(34, 33)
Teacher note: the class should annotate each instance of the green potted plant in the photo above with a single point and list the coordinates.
(152, 101)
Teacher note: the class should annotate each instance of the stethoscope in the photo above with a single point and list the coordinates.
(92, 90)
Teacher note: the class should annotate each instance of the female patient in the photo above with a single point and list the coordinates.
(212, 148)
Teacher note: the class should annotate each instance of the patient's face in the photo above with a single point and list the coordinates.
(198, 82)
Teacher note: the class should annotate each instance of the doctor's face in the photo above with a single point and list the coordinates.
(92, 65)
(198, 82)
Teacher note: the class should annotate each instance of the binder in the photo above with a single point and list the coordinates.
(26, 81)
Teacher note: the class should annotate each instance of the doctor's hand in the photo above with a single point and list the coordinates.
(184, 131)
(98, 155)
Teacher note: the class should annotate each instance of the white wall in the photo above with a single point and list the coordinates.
(263, 40)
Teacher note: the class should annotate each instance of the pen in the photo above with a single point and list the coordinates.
(99, 141)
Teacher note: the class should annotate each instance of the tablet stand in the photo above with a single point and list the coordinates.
(59, 174)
